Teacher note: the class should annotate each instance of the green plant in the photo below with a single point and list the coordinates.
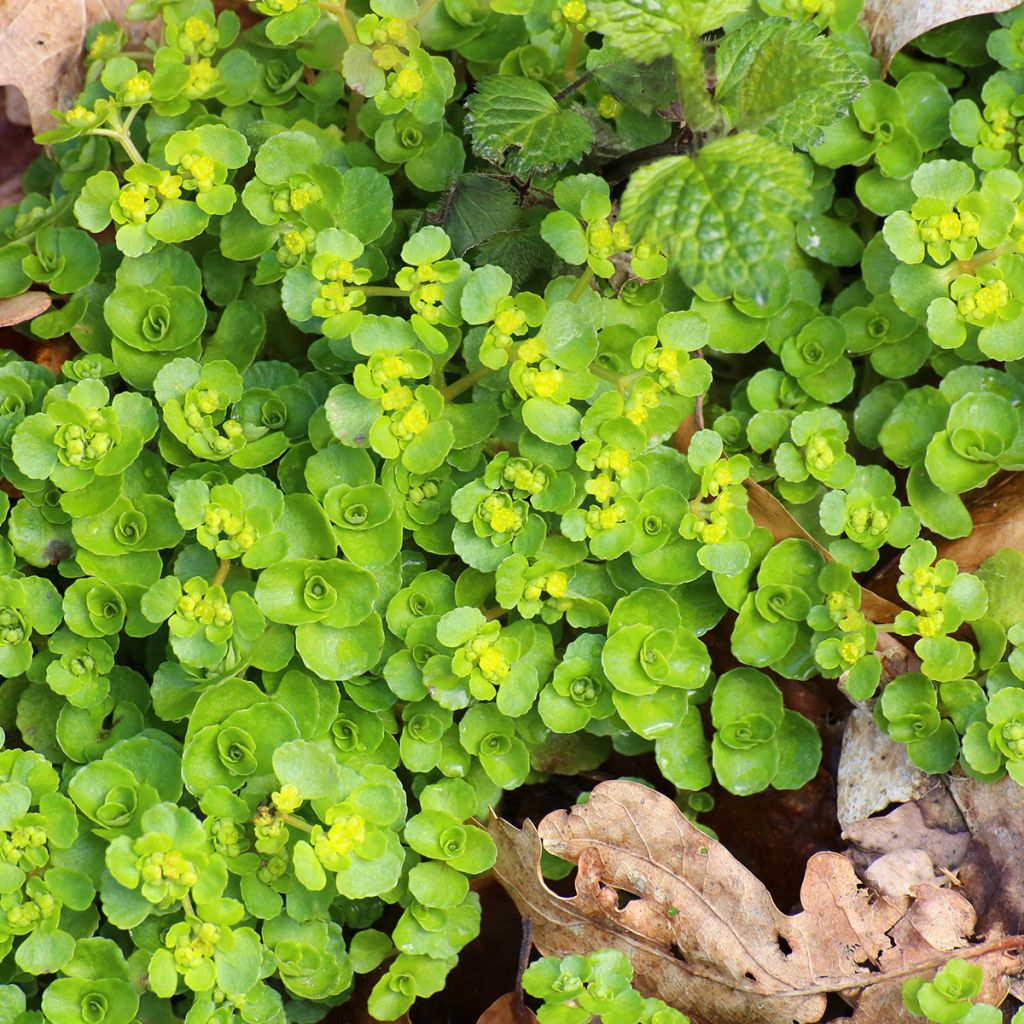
(950, 996)
(359, 506)
(598, 986)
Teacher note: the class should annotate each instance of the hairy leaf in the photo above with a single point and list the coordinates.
(643, 29)
(781, 77)
(475, 208)
(518, 122)
(724, 213)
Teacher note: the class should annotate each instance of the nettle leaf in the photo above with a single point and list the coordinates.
(782, 78)
(475, 208)
(725, 213)
(518, 122)
(644, 29)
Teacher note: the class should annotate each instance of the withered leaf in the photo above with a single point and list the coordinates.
(891, 24)
(702, 932)
(874, 771)
(938, 921)
(992, 873)
(41, 48)
(997, 512)
(932, 824)
(19, 308)
(507, 1009)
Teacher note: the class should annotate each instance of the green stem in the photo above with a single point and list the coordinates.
(582, 282)
(355, 104)
(55, 214)
(132, 114)
(573, 56)
(290, 819)
(970, 266)
(341, 14)
(372, 291)
(425, 8)
(126, 143)
(465, 383)
(611, 376)
(186, 905)
(495, 613)
(222, 573)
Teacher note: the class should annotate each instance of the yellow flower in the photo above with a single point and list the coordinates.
(286, 799)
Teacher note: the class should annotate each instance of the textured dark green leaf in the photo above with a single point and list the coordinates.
(475, 208)
(516, 121)
(643, 29)
(724, 215)
(783, 78)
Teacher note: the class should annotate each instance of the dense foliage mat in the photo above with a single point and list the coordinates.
(436, 365)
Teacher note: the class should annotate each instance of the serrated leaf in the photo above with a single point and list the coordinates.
(783, 78)
(644, 86)
(723, 214)
(476, 207)
(643, 29)
(517, 121)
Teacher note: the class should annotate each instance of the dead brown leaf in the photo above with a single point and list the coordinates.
(41, 49)
(980, 801)
(508, 1009)
(891, 24)
(937, 921)
(19, 308)
(997, 512)
(896, 874)
(932, 824)
(992, 873)
(703, 933)
(874, 771)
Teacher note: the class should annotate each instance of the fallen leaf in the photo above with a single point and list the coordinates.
(702, 932)
(896, 874)
(874, 772)
(19, 308)
(508, 1009)
(997, 512)
(992, 873)
(980, 801)
(17, 149)
(938, 921)
(933, 823)
(41, 49)
(891, 24)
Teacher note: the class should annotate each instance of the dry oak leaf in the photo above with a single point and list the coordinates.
(932, 823)
(702, 932)
(939, 922)
(891, 24)
(41, 49)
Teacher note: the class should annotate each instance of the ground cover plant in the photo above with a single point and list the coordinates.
(461, 394)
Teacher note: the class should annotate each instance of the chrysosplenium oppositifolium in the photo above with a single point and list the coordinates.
(427, 356)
